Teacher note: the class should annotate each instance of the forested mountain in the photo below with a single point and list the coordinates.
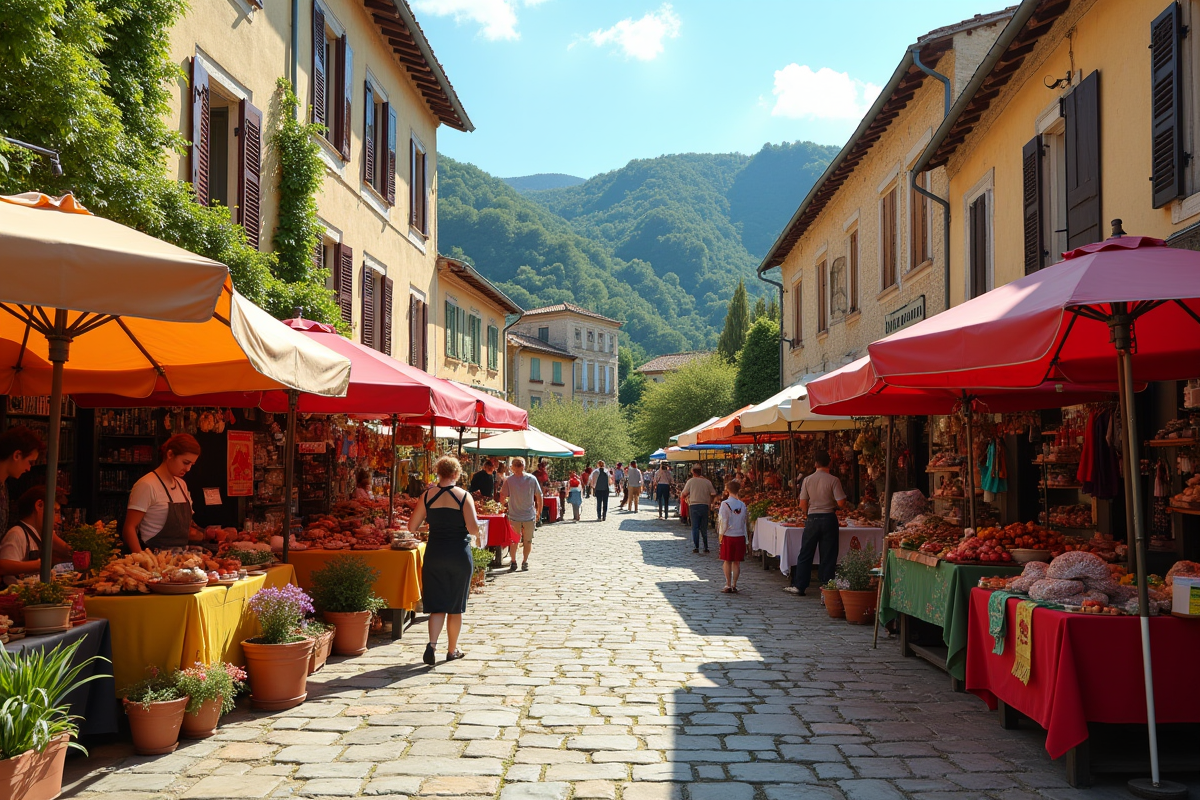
(660, 243)
(543, 180)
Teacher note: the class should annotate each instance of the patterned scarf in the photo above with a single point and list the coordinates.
(997, 619)
(1023, 662)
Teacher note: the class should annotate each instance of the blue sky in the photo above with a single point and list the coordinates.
(582, 87)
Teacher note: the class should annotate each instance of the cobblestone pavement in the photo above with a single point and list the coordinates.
(614, 668)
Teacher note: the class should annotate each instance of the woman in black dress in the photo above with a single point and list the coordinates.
(448, 565)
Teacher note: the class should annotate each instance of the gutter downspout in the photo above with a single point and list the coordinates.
(912, 176)
(1014, 27)
(295, 65)
(765, 279)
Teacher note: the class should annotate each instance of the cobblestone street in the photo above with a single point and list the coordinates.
(614, 668)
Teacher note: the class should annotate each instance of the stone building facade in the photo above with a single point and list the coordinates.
(590, 337)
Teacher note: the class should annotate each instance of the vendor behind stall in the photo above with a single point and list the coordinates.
(362, 489)
(160, 506)
(21, 547)
(484, 481)
(19, 449)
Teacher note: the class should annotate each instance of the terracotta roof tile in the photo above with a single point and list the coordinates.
(536, 344)
(673, 361)
(571, 307)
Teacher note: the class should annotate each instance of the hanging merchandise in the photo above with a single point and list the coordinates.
(1162, 517)
(995, 471)
(1099, 466)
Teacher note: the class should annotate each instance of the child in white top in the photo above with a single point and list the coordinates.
(732, 519)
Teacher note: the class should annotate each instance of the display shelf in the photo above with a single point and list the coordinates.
(1178, 510)
(1052, 461)
(1172, 442)
(931, 470)
(1072, 486)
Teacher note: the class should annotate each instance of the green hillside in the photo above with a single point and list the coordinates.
(543, 180)
(660, 243)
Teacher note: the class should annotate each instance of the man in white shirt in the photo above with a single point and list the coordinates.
(699, 492)
(633, 486)
(524, 494)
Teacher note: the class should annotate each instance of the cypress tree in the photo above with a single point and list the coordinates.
(737, 323)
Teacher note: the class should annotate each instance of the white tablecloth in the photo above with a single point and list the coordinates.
(783, 542)
(483, 532)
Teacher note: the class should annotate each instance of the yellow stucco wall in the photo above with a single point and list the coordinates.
(522, 389)
(1111, 36)
(473, 302)
(252, 49)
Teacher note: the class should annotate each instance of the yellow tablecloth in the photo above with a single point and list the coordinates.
(169, 631)
(399, 580)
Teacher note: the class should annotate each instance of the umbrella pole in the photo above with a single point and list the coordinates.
(1126, 457)
(395, 475)
(887, 515)
(970, 487)
(289, 469)
(59, 345)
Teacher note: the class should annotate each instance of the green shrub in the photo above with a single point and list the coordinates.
(856, 567)
(33, 687)
(346, 584)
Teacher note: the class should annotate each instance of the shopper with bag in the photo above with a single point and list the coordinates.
(601, 484)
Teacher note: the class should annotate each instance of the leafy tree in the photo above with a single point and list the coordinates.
(603, 431)
(737, 322)
(759, 310)
(624, 363)
(773, 309)
(631, 389)
(697, 391)
(758, 364)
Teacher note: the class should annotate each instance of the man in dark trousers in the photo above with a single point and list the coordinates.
(820, 496)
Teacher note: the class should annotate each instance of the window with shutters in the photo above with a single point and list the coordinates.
(418, 177)
(452, 332)
(979, 239)
(535, 369)
(376, 309)
(535, 401)
(919, 231)
(544, 334)
(578, 337)
(888, 239)
(823, 297)
(379, 142)
(556, 373)
(852, 269)
(493, 345)
(332, 72)
(1044, 191)
(797, 316)
(1081, 118)
(474, 339)
(418, 325)
(591, 340)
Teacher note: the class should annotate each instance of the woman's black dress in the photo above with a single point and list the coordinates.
(446, 572)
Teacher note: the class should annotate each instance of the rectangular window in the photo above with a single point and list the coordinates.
(578, 338)
(544, 334)
(887, 240)
(556, 379)
(608, 380)
(535, 369)
(418, 323)
(591, 340)
(578, 370)
(379, 143)
(823, 297)
(372, 293)
(797, 316)
(418, 186)
(852, 247)
(979, 245)
(474, 339)
(331, 83)
(535, 401)
(918, 232)
(493, 344)
(453, 334)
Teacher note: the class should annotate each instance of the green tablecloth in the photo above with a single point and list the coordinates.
(938, 595)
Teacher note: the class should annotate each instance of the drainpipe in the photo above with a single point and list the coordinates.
(509, 321)
(779, 285)
(912, 175)
(295, 66)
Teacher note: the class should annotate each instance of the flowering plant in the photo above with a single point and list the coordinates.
(156, 687)
(215, 681)
(280, 612)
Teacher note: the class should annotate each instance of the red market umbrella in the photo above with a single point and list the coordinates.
(494, 412)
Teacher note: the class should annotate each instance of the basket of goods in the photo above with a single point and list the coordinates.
(135, 572)
(1073, 579)
(405, 541)
(1190, 496)
(1023, 555)
(180, 580)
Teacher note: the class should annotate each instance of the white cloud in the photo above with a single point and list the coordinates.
(497, 18)
(824, 94)
(643, 38)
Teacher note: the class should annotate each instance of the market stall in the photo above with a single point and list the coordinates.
(399, 581)
(782, 541)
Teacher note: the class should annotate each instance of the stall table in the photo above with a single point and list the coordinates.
(938, 594)
(500, 532)
(93, 702)
(783, 541)
(551, 504)
(399, 582)
(173, 630)
(1088, 670)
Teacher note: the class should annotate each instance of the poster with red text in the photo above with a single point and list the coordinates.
(240, 454)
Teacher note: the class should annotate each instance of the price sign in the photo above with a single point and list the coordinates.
(212, 497)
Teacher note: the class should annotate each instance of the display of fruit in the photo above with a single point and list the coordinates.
(1077, 516)
(997, 581)
(250, 557)
(134, 572)
(1096, 607)
(489, 507)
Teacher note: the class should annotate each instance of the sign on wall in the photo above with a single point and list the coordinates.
(905, 315)
(239, 481)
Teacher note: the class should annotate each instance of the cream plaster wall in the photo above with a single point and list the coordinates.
(252, 47)
(473, 302)
(522, 388)
(562, 327)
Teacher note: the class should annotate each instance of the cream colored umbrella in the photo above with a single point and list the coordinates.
(688, 437)
(789, 412)
(131, 315)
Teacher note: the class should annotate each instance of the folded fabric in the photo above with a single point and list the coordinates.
(1023, 661)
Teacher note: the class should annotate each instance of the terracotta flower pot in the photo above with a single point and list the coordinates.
(859, 606)
(33, 775)
(47, 616)
(203, 723)
(278, 673)
(833, 603)
(322, 647)
(155, 727)
(350, 631)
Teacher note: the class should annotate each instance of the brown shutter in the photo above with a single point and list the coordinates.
(822, 288)
(201, 133)
(978, 224)
(345, 115)
(1031, 183)
(386, 323)
(1081, 109)
(368, 309)
(797, 317)
(854, 270)
(412, 182)
(414, 316)
(343, 281)
(369, 136)
(249, 196)
(423, 352)
(887, 235)
(1166, 107)
(389, 160)
(320, 78)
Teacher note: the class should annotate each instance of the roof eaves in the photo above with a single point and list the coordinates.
(471, 276)
(451, 112)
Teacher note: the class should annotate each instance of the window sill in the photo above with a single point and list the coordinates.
(888, 293)
(417, 240)
(552, 383)
(822, 336)
(375, 200)
(536, 380)
(919, 269)
(1185, 208)
(854, 316)
(330, 155)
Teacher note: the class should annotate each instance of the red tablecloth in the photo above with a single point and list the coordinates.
(683, 507)
(1085, 669)
(552, 504)
(500, 532)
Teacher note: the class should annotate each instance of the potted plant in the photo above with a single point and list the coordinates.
(210, 690)
(831, 596)
(277, 659)
(482, 558)
(155, 706)
(46, 605)
(344, 591)
(322, 636)
(37, 729)
(858, 597)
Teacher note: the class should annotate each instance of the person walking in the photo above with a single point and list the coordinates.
(821, 495)
(619, 482)
(731, 525)
(447, 567)
(601, 483)
(524, 494)
(662, 488)
(499, 478)
(699, 492)
(633, 486)
(587, 480)
(575, 494)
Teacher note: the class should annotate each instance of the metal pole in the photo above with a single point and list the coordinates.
(289, 469)
(887, 515)
(969, 489)
(59, 346)
(395, 475)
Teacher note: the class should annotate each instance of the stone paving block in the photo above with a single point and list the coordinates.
(750, 742)
(301, 737)
(980, 762)
(627, 756)
(467, 732)
(709, 772)
(869, 790)
(833, 772)
(331, 787)
(308, 754)
(880, 767)
(393, 785)
(482, 748)
(587, 772)
(523, 772)
(773, 724)
(132, 781)
(663, 772)
(720, 791)
(233, 788)
(538, 755)
(428, 747)
(652, 791)
(246, 751)
(982, 781)
(440, 766)
(536, 791)
(336, 770)
(455, 786)
(495, 719)
(802, 792)
(595, 790)
(758, 772)
(602, 743)
(810, 752)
